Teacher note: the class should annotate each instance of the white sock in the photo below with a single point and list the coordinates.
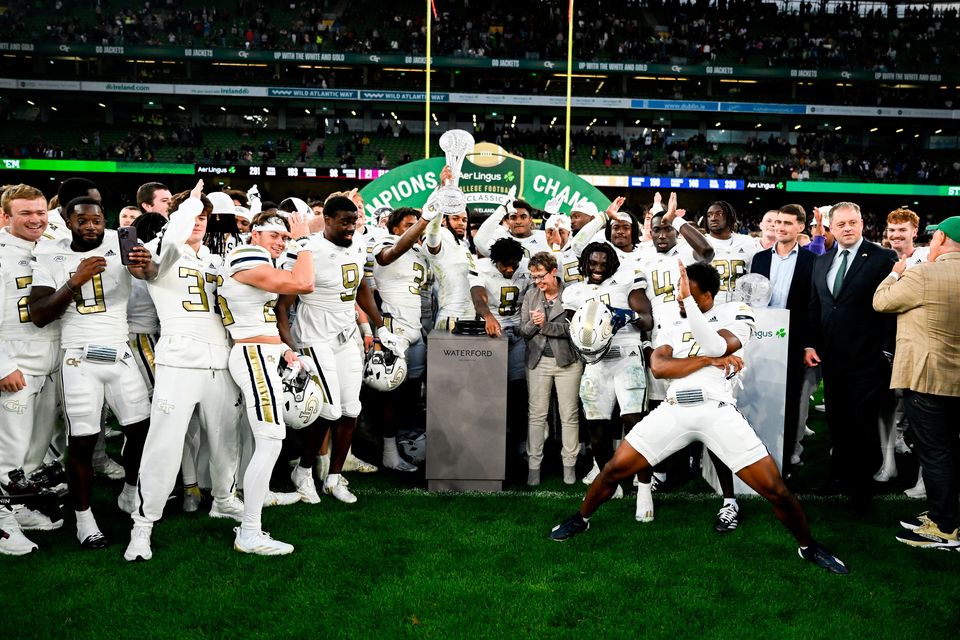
(333, 479)
(389, 447)
(256, 481)
(731, 501)
(129, 490)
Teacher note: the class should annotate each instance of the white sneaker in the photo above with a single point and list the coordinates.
(885, 475)
(30, 520)
(644, 502)
(618, 494)
(340, 492)
(231, 507)
(918, 492)
(397, 465)
(107, 466)
(127, 501)
(900, 446)
(12, 540)
(795, 460)
(590, 477)
(323, 466)
(191, 499)
(112, 433)
(353, 463)
(306, 489)
(259, 543)
(273, 499)
(822, 408)
(139, 547)
(807, 432)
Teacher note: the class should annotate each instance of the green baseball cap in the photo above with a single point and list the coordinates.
(950, 227)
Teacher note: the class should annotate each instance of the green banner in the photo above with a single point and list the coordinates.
(868, 188)
(486, 178)
(406, 60)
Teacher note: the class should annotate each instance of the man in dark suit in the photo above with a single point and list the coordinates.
(855, 344)
(789, 268)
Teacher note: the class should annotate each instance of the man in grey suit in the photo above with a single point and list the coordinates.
(854, 344)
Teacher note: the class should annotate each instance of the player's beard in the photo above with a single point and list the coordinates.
(80, 245)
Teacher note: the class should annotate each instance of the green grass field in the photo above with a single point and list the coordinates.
(405, 563)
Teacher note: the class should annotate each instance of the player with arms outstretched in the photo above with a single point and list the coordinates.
(700, 354)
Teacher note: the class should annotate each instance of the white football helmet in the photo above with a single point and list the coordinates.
(591, 330)
(414, 448)
(384, 370)
(302, 398)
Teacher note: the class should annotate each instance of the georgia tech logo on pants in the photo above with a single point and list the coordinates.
(73, 362)
(15, 406)
(166, 407)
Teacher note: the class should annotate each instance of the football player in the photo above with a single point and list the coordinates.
(28, 379)
(83, 280)
(327, 328)
(619, 378)
(451, 261)
(701, 354)
(519, 226)
(732, 255)
(400, 270)
(191, 369)
(497, 288)
(247, 295)
(733, 252)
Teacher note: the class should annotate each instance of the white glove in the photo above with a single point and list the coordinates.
(253, 193)
(553, 205)
(253, 200)
(432, 208)
(391, 341)
(508, 200)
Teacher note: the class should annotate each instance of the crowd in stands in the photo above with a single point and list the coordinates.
(826, 156)
(835, 36)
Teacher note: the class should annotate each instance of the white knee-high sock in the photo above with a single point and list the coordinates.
(256, 481)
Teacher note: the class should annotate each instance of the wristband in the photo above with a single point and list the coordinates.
(365, 329)
(678, 223)
(69, 288)
(303, 244)
(896, 276)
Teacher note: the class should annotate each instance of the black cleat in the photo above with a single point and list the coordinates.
(95, 540)
(823, 558)
(568, 528)
(727, 519)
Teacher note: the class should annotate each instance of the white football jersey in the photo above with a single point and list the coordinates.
(98, 314)
(504, 296)
(372, 235)
(532, 244)
(185, 291)
(731, 259)
(34, 349)
(452, 266)
(329, 310)
(920, 255)
(568, 266)
(141, 312)
(663, 273)
(738, 319)
(56, 226)
(400, 283)
(247, 311)
(614, 291)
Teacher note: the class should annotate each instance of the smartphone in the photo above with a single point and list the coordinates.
(128, 240)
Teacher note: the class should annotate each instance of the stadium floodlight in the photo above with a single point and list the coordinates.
(838, 127)
(899, 130)
(101, 105)
(796, 128)
(938, 131)
(874, 130)
(223, 108)
(31, 103)
(53, 109)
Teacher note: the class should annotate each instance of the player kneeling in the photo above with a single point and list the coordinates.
(251, 286)
(701, 354)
